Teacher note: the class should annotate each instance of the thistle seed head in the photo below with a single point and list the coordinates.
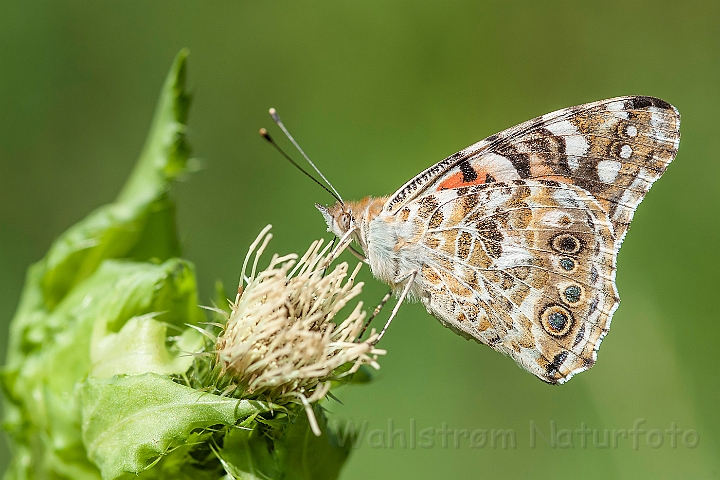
(282, 341)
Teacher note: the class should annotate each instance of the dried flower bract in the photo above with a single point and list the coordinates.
(281, 341)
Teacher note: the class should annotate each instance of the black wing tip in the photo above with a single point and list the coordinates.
(641, 102)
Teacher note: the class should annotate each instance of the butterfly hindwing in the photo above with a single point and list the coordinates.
(526, 267)
(613, 149)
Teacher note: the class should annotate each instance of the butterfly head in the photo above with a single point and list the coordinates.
(353, 217)
(339, 218)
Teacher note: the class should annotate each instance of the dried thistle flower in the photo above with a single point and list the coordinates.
(281, 342)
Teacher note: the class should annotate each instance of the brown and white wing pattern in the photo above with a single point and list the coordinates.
(513, 240)
(526, 267)
(613, 149)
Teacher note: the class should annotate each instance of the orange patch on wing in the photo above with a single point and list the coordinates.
(457, 180)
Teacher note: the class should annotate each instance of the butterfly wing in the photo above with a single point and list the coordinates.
(613, 149)
(526, 267)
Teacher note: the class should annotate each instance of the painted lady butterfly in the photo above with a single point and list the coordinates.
(512, 242)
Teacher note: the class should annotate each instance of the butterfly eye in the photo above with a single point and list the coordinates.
(345, 221)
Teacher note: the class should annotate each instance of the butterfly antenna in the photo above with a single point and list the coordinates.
(264, 133)
(276, 118)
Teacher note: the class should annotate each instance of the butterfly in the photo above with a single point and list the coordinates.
(513, 241)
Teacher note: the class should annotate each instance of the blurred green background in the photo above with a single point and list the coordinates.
(376, 91)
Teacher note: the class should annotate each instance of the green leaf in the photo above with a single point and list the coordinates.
(289, 453)
(75, 289)
(364, 374)
(221, 298)
(102, 330)
(248, 454)
(140, 224)
(44, 387)
(305, 456)
(140, 347)
(130, 421)
(195, 460)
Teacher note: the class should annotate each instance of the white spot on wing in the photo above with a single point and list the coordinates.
(576, 145)
(631, 130)
(562, 128)
(497, 163)
(625, 151)
(608, 170)
(660, 118)
(573, 163)
(554, 218)
(616, 106)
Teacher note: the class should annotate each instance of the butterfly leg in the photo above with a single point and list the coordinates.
(410, 277)
(345, 240)
(376, 311)
(358, 255)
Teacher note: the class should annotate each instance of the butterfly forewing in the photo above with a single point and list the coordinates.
(613, 149)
